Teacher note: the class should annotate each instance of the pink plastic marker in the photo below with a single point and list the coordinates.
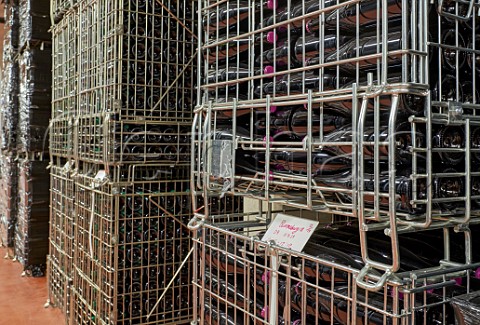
(307, 28)
(272, 37)
(268, 69)
(264, 312)
(458, 281)
(272, 4)
(266, 276)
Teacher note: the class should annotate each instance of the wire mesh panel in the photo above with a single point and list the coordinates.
(242, 280)
(341, 107)
(58, 9)
(142, 68)
(64, 85)
(61, 235)
(100, 139)
(131, 239)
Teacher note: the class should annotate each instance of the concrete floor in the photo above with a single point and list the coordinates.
(22, 299)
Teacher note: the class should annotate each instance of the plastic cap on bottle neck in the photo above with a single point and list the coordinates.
(272, 37)
(264, 312)
(307, 26)
(271, 4)
(268, 69)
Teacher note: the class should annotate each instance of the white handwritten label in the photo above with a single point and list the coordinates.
(290, 232)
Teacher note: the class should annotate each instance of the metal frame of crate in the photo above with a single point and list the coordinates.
(62, 235)
(124, 119)
(385, 67)
(64, 90)
(113, 222)
(242, 280)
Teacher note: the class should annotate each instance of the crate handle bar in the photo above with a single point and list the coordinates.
(195, 223)
(454, 16)
(362, 283)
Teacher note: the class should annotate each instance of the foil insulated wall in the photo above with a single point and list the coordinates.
(8, 201)
(34, 22)
(8, 126)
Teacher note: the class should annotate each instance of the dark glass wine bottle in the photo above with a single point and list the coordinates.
(295, 120)
(449, 55)
(308, 47)
(367, 46)
(448, 90)
(449, 137)
(300, 83)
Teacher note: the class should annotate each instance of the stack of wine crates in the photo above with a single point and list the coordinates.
(26, 84)
(123, 95)
(368, 111)
(34, 96)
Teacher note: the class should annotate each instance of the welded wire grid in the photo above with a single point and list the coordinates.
(58, 9)
(136, 59)
(123, 142)
(296, 106)
(64, 63)
(64, 85)
(244, 281)
(62, 213)
(136, 231)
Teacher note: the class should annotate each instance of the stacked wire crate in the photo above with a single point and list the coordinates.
(124, 80)
(367, 110)
(8, 124)
(34, 61)
(62, 166)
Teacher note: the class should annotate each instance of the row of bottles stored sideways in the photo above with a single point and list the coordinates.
(250, 57)
(316, 293)
(331, 165)
(157, 74)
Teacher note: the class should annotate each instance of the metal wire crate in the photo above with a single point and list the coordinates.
(131, 238)
(341, 107)
(61, 137)
(241, 280)
(59, 8)
(59, 291)
(65, 67)
(135, 60)
(114, 141)
(61, 235)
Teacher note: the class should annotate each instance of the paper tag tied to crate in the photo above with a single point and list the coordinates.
(290, 232)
